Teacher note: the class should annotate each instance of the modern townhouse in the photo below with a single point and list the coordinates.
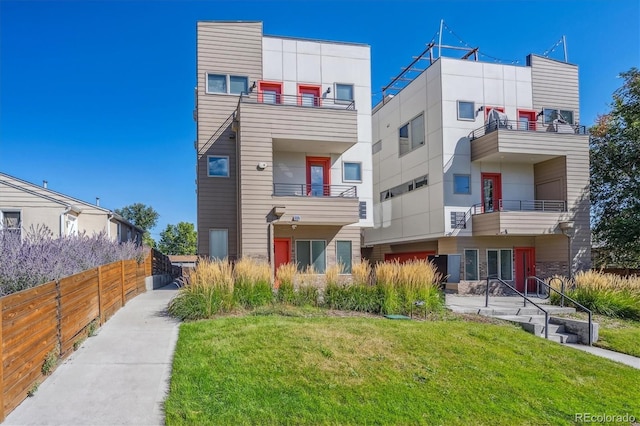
(485, 163)
(283, 146)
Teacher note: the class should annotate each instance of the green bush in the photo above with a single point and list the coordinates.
(307, 295)
(252, 285)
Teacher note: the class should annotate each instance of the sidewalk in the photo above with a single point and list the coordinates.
(121, 376)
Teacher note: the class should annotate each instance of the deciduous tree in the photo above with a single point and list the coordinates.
(178, 239)
(142, 216)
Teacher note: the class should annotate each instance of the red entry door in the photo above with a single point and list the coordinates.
(525, 258)
(527, 120)
(491, 191)
(282, 252)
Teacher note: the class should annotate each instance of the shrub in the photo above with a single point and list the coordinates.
(39, 258)
(210, 291)
(285, 277)
(252, 283)
(605, 294)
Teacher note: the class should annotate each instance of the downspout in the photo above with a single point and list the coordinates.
(62, 215)
(109, 217)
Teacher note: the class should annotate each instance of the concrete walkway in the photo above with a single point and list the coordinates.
(119, 377)
(513, 305)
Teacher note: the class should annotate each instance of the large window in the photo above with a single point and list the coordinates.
(218, 166)
(550, 115)
(344, 92)
(230, 84)
(461, 184)
(343, 255)
(411, 135)
(351, 172)
(466, 111)
(11, 221)
(471, 265)
(311, 253)
(218, 243)
(500, 263)
(408, 186)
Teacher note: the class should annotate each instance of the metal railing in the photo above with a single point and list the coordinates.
(554, 206)
(525, 297)
(310, 101)
(314, 190)
(527, 126)
(563, 296)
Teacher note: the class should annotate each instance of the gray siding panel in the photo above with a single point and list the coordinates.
(554, 85)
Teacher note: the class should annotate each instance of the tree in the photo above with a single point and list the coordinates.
(615, 175)
(144, 217)
(179, 239)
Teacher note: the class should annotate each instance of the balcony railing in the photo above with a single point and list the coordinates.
(309, 101)
(528, 126)
(552, 206)
(313, 190)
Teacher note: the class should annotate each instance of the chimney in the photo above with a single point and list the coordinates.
(45, 183)
(98, 201)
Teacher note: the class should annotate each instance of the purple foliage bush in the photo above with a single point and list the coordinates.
(40, 258)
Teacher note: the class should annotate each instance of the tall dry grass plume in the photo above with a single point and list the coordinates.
(332, 273)
(250, 270)
(286, 274)
(212, 273)
(361, 273)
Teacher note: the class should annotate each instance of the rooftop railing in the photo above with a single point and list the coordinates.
(309, 101)
(528, 126)
(313, 190)
(552, 206)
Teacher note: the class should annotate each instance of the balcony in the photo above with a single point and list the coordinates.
(517, 217)
(528, 142)
(299, 124)
(304, 204)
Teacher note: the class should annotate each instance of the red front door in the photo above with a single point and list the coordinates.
(282, 252)
(527, 120)
(491, 191)
(309, 95)
(525, 258)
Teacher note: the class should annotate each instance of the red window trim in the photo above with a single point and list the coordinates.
(531, 113)
(317, 91)
(488, 108)
(270, 84)
(497, 194)
(326, 163)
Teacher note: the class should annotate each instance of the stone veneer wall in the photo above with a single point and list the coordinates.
(549, 269)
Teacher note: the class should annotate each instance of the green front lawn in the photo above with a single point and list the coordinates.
(286, 370)
(619, 335)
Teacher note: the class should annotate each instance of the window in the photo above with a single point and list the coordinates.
(238, 85)
(344, 92)
(230, 84)
(311, 253)
(466, 110)
(71, 225)
(458, 220)
(269, 92)
(218, 243)
(218, 166)
(471, 265)
(362, 209)
(11, 222)
(500, 263)
(376, 147)
(308, 95)
(343, 255)
(461, 184)
(351, 172)
(409, 186)
(557, 114)
(411, 135)
(216, 83)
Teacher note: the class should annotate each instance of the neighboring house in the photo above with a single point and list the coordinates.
(485, 163)
(24, 205)
(283, 148)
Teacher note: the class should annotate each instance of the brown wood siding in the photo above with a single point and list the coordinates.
(259, 125)
(554, 84)
(515, 223)
(224, 48)
(551, 172)
(319, 210)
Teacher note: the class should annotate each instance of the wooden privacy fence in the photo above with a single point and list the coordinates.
(45, 322)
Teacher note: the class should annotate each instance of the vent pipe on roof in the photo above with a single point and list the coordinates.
(98, 201)
(45, 183)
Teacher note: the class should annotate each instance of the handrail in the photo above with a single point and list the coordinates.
(272, 98)
(527, 126)
(546, 314)
(554, 206)
(314, 190)
(561, 293)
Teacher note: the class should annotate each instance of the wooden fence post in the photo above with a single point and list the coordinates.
(1, 367)
(122, 281)
(59, 314)
(100, 310)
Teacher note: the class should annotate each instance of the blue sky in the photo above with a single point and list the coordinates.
(96, 97)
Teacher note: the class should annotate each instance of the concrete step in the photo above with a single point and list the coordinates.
(562, 337)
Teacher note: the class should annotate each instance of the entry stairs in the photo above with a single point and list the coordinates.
(510, 308)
